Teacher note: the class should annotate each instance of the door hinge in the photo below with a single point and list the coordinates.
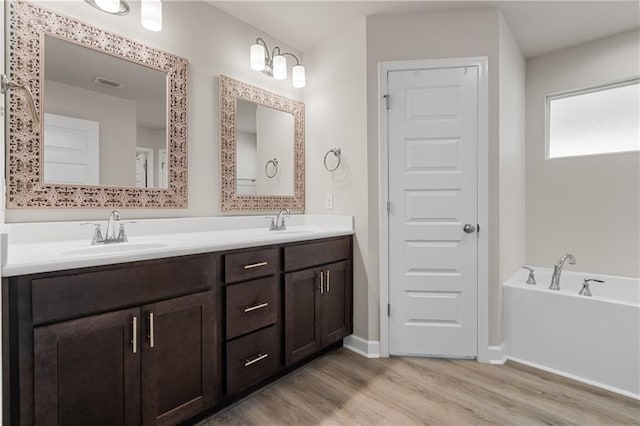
(387, 101)
(477, 227)
(388, 309)
(388, 207)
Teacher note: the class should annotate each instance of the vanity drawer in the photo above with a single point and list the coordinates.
(306, 255)
(252, 305)
(249, 264)
(252, 358)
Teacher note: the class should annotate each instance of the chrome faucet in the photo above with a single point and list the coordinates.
(278, 224)
(585, 291)
(532, 275)
(557, 270)
(110, 233)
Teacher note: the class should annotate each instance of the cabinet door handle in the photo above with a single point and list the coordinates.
(260, 357)
(134, 330)
(328, 281)
(321, 282)
(256, 265)
(254, 307)
(151, 339)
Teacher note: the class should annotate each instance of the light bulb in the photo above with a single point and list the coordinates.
(279, 67)
(257, 57)
(298, 76)
(151, 14)
(111, 6)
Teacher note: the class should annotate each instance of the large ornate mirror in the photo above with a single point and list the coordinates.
(112, 115)
(262, 149)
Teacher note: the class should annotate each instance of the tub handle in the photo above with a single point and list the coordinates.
(532, 277)
(585, 291)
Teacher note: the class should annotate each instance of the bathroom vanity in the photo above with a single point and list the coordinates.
(160, 341)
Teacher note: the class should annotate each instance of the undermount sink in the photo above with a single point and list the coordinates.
(113, 248)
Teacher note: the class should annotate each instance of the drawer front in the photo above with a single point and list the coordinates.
(94, 290)
(252, 305)
(252, 358)
(249, 264)
(303, 256)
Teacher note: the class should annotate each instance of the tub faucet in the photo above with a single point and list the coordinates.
(532, 275)
(557, 270)
(585, 291)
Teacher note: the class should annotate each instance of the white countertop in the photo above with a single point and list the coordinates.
(35, 248)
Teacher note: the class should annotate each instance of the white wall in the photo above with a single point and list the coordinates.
(587, 206)
(214, 43)
(426, 36)
(117, 127)
(275, 139)
(512, 162)
(335, 102)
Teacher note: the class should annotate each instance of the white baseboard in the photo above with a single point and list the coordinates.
(496, 355)
(577, 378)
(366, 348)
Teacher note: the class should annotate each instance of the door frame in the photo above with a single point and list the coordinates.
(483, 353)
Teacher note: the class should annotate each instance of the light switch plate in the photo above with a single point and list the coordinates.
(328, 201)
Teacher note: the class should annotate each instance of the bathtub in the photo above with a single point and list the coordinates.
(595, 339)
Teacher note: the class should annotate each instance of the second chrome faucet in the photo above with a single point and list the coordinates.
(557, 270)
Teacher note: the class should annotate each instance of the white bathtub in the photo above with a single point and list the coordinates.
(592, 339)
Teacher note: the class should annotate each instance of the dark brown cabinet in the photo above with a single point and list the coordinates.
(318, 302)
(154, 363)
(86, 371)
(178, 359)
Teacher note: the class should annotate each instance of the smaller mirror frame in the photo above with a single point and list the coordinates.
(230, 91)
(25, 183)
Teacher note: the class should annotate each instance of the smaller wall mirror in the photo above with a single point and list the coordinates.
(262, 149)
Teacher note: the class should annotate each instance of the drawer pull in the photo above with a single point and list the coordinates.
(255, 307)
(260, 357)
(256, 265)
(134, 340)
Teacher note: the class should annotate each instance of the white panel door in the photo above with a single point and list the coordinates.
(433, 128)
(71, 152)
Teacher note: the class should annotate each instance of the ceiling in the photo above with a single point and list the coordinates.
(538, 26)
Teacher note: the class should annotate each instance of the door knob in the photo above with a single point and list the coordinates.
(469, 228)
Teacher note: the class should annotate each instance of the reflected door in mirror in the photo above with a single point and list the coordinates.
(126, 104)
(265, 150)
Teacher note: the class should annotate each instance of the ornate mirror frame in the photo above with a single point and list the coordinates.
(230, 91)
(25, 182)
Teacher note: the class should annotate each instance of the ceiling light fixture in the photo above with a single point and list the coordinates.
(151, 14)
(114, 7)
(274, 64)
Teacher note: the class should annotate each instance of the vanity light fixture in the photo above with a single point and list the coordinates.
(151, 14)
(115, 7)
(274, 63)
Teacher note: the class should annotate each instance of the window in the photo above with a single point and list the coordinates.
(598, 120)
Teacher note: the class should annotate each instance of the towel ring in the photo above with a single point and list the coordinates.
(275, 168)
(336, 152)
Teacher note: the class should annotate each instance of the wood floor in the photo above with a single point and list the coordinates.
(343, 388)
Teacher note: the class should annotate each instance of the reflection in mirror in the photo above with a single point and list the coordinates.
(265, 147)
(105, 119)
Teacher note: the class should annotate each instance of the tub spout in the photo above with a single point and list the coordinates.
(557, 270)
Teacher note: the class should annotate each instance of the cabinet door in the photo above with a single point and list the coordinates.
(336, 302)
(179, 359)
(87, 371)
(302, 314)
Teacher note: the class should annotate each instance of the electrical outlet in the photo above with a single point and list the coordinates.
(328, 201)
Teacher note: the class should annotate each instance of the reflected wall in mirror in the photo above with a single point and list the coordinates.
(264, 138)
(104, 118)
(113, 115)
(261, 149)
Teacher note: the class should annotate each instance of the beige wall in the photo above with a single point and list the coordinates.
(425, 36)
(214, 43)
(512, 165)
(587, 206)
(116, 119)
(335, 99)
(275, 139)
